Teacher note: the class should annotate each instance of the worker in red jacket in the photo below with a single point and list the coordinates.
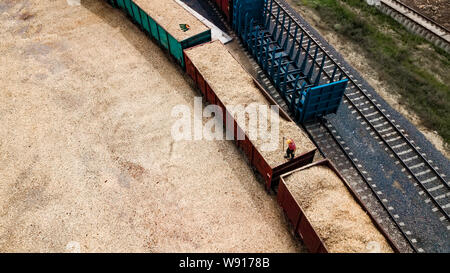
(290, 152)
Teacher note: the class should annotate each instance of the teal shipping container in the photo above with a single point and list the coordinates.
(168, 23)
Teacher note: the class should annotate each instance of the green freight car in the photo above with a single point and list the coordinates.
(167, 22)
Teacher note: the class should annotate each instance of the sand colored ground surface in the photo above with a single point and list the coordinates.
(170, 15)
(87, 161)
(234, 86)
(335, 215)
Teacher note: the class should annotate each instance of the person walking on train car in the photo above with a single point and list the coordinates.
(290, 152)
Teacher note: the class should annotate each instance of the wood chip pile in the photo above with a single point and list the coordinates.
(333, 212)
(169, 15)
(234, 86)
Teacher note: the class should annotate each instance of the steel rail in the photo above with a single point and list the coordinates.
(322, 123)
(379, 111)
(420, 14)
(424, 26)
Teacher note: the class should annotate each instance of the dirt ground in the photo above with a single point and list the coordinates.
(354, 57)
(438, 10)
(87, 161)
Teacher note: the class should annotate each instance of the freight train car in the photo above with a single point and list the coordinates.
(323, 209)
(225, 7)
(294, 64)
(327, 214)
(168, 23)
(224, 82)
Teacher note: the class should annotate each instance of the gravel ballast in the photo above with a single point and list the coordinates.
(169, 15)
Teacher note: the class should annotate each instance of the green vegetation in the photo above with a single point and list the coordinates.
(414, 68)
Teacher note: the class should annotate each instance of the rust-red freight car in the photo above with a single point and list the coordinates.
(223, 81)
(306, 207)
(225, 7)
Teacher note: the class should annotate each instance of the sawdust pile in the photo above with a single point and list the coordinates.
(234, 86)
(335, 215)
(87, 160)
(169, 15)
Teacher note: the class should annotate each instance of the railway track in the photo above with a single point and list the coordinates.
(366, 108)
(417, 22)
(324, 135)
(431, 185)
